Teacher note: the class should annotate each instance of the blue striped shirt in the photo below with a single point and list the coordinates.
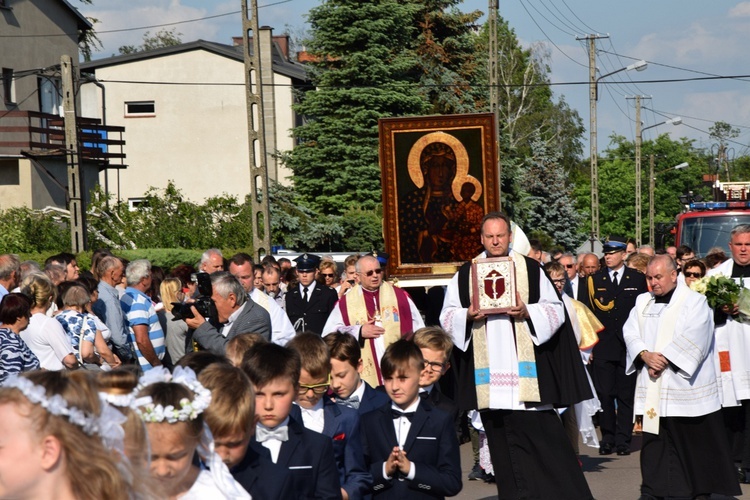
(139, 310)
(15, 355)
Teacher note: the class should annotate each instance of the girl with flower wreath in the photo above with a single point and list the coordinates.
(176, 431)
(59, 440)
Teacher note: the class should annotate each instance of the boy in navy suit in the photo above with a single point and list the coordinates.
(231, 418)
(436, 347)
(318, 413)
(308, 456)
(410, 446)
(346, 364)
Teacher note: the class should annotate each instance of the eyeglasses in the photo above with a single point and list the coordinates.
(561, 281)
(692, 275)
(372, 271)
(317, 388)
(570, 266)
(327, 275)
(435, 366)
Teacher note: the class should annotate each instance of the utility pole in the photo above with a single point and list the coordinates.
(495, 90)
(651, 211)
(593, 96)
(76, 204)
(638, 139)
(255, 130)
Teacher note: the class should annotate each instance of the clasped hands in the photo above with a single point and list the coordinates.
(656, 363)
(519, 311)
(397, 461)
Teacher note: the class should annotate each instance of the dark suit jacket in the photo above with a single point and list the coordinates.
(314, 312)
(611, 346)
(341, 424)
(253, 474)
(431, 446)
(446, 404)
(372, 399)
(253, 319)
(308, 458)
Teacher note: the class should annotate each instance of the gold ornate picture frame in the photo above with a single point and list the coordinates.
(493, 283)
(439, 178)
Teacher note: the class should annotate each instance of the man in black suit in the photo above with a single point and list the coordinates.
(308, 304)
(611, 294)
(237, 313)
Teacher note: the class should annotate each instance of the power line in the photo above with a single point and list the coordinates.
(548, 38)
(550, 22)
(678, 68)
(590, 29)
(700, 130)
(140, 28)
(699, 119)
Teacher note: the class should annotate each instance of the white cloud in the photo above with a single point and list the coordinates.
(742, 9)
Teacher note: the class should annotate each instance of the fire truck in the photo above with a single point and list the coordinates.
(707, 224)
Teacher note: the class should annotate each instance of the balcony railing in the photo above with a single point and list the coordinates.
(34, 132)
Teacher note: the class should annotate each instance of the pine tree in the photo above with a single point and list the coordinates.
(547, 199)
(364, 71)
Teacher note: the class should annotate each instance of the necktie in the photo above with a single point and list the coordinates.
(398, 414)
(304, 294)
(263, 433)
(614, 278)
(351, 402)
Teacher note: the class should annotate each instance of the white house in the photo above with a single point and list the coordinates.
(185, 112)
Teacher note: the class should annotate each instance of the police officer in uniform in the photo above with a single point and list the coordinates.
(610, 294)
(309, 304)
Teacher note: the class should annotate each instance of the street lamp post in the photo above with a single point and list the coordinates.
(593, 98)
(638, 140)
(651, 186)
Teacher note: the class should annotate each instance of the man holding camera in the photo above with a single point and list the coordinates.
(236, 313)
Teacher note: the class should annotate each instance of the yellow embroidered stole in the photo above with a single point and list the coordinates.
(386, 315)
(588, 324)
(528, 384)
(665, 332)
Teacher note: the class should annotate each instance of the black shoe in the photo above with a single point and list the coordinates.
(490, 479)
(606, 449)
(477, 473)
(623, 451)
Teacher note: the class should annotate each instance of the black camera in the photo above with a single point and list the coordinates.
(203, 303)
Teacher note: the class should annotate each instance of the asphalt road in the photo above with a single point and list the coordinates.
(609, 477)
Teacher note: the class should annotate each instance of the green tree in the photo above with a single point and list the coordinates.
(528, 111)
(449, 64)
(547, 205)
(364, 71)
(162, 38)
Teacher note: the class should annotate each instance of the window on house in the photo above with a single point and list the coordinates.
(134, 203)
(140, 108)
(9, 86)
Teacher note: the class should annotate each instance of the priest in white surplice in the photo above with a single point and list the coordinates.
(519, 366)
(670, 343)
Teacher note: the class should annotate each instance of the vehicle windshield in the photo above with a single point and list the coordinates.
(703, 233)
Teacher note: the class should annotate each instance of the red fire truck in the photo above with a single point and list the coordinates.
(707, 224)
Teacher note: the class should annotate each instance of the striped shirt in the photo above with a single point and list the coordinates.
(139, 310)
(15, 355)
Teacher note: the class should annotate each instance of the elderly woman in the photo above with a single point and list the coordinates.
(15, 355)
(45, 336)
(693, 270)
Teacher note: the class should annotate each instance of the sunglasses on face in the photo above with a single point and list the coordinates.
(570, 266)
(327, 275)
(561, 281)
(692, 275)
(372, 271)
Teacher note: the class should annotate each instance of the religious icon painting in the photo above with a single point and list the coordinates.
(439, 178)
(493, 283)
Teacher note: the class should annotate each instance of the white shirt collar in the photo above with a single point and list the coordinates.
(359, 391)
(411, 407)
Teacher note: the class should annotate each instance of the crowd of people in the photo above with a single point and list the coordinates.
(280, 379)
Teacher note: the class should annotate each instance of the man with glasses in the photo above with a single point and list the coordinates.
(670, 345)
(308, 304)
(610, 294)
(376, 313)
(568, 261)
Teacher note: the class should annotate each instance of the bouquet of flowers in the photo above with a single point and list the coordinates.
(722, 291)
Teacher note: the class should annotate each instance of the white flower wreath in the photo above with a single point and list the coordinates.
(107, 425)
(188, 410)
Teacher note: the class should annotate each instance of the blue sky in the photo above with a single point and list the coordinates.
(709, 38)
